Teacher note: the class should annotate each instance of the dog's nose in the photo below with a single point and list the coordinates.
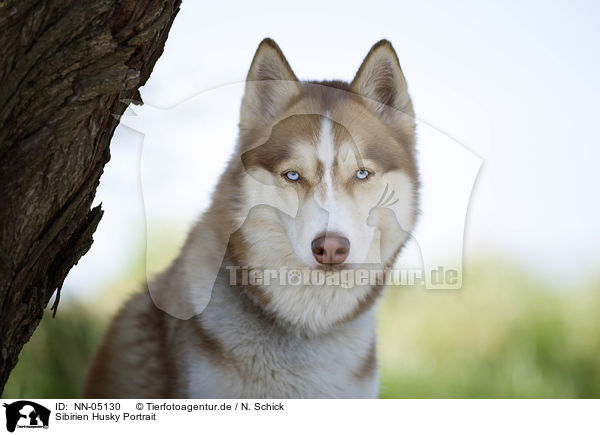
(330, 249)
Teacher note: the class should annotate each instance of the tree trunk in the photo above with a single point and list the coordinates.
(67, 70)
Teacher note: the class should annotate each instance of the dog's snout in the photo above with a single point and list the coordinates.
(330, 249)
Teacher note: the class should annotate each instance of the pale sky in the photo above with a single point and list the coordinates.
(514, 83)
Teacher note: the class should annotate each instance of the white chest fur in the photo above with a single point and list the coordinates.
(260, 361)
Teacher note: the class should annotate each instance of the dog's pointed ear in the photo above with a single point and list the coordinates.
(270, 86)
(381, 81)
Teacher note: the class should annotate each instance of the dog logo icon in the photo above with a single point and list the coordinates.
(26, 414)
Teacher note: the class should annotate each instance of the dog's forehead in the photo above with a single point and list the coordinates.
(350, 135)
(329, 125)
(336, 144)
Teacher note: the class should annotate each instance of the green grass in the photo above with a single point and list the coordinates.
(503, 335)
(54, 362)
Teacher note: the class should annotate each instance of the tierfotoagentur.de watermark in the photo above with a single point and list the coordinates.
(345, 278)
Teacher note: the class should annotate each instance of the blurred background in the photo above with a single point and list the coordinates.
(506, 95)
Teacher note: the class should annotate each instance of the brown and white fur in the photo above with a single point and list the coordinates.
(211, 339)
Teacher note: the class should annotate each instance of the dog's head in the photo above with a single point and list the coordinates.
(329, 177)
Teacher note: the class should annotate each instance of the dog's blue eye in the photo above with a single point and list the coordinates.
(292, 175)
(362, 174)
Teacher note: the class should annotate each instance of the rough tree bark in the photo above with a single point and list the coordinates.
(66, 68)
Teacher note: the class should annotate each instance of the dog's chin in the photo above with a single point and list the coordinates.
(333, 267)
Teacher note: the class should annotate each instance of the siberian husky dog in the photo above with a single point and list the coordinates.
(323, 183)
